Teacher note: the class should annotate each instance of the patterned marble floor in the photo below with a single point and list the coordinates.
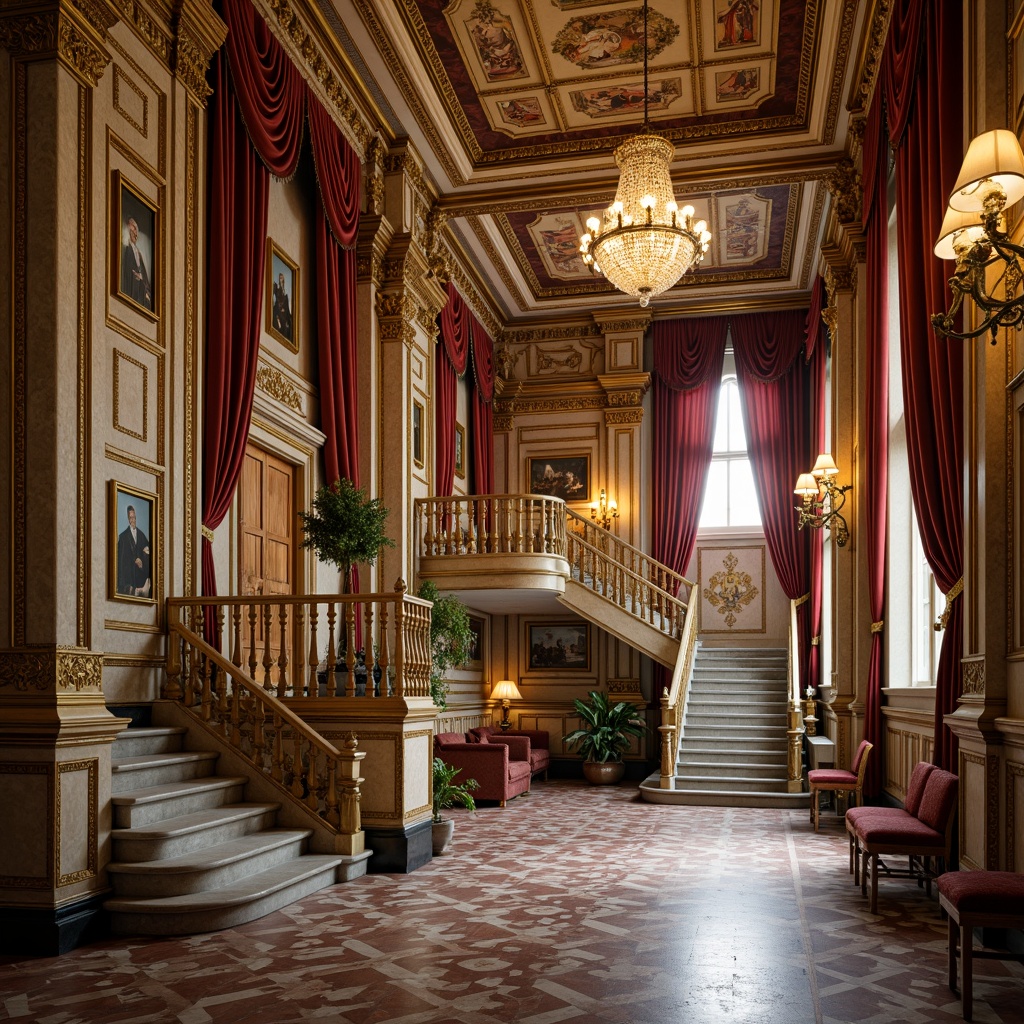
(573, 904)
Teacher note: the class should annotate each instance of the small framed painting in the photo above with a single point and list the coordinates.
(136, 256)
(460, 450)
(566, 477)
(417, 433)
(558, 646)
(131, 539)
(476, 651)
(282, 296)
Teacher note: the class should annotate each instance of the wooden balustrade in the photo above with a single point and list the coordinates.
(490, 524)
(673, 700)
(597, 570)
(310, 646)
(795, 730)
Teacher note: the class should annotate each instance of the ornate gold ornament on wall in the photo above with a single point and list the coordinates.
(152, 34)
(58, 669)
(79, 670)
(844, 185)
(396, 312)
(88, 870)
(866, 74)
(973, 675)
(375, 155)
(729, 591)
(192, 55)
(623, 416)
(67, 30)
(322, 76)
(277, 385)
(505, 360)
(25, 670)
(503, 422)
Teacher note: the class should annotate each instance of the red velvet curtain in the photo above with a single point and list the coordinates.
(238, 190)
(482, 410)
(876, 422)
(688, 357)
(817, 354)
(337, 171)
(924, 86)
(449, 366)
(776, 391)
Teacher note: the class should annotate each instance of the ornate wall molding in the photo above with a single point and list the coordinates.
(60, 669)
(274, 383)
(78, 670)
(91, 766)
(844, 185)
(623, 416)
(44, 829)
(503, 422)
(152, 34)
(973, 675)
(866, 75)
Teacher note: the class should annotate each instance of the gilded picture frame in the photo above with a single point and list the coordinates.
(561, 476)
(558, 646)
(477, 650)
(282, 296)
(460, 451)
(134, 555)
(419, 422)
(135, 248)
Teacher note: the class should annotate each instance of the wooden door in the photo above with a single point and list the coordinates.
(267, 517)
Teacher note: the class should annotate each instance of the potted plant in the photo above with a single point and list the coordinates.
(603, 735)
(344, 527)
(451, 639)
(448, 793)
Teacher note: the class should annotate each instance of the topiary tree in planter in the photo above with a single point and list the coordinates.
(451, 639)
(345, 527)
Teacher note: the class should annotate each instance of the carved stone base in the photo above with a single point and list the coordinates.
(399, 850)
(54, 930)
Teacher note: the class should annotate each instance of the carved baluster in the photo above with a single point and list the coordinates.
(370, 658)
(277, 765)
(252, 641)
(192, 679)
(472, 519)
(330, 812)
(297, 768)
(332, 650)
(282, 658)
(350, 648)
(236, 631)
(299, 665)
(350, 821)
(268, 657)
(428, 533)
(236, 718)
(401, 610)
(313, 684)
(259, 739)
(172, 688)
(207, 698)
(222, 702)
(383, 652)
(312, 798)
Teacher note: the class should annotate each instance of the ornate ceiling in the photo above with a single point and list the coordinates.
(516, 107)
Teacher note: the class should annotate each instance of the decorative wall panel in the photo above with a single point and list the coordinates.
(731, 582)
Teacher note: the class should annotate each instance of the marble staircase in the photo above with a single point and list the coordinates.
(733, 747)
(190, 854)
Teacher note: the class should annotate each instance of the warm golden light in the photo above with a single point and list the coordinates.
(822, 499)
(505, 690)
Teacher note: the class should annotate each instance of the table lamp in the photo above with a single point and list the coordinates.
(505, 690)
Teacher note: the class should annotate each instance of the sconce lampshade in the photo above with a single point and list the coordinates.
(505, 689)
(806, 485)
(959, 230)
(825, 466)
(993, 156)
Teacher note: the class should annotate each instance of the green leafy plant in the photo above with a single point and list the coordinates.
(447, 792)
(345, 527)
(451, 639)
(605, 729)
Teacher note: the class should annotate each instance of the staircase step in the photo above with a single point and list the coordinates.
(724, 798)
(148, 740)
(142, 770)
(700, 783)
(172, 799)
(731, 755)
(174, 837)
(732, 770)
(209, 868)
(226, 907)
(702, 716)
(738, 732)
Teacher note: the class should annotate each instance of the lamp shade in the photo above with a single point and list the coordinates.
(959, 230)
(825, 466)
(505, 689)
(996, 157)
(806, 485)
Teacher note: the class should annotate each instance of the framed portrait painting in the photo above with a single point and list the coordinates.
(418, 423)
(282, 299)
(566, 477)
(476, 649)
(136, 270)
(558, 646)
(460, 450)
(131, 539)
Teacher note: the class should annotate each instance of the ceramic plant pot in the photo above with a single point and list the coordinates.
(441, 833)
(604, 773)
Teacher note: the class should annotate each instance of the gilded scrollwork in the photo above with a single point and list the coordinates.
(868, 71)
(844, 185)
(78, 670)
(973, 676)
(274, 383)
(191, 62)
(151, 34)
(503, 422)
(26, 670)
(29, 33)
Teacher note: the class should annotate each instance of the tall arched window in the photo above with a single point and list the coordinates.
(729, 497)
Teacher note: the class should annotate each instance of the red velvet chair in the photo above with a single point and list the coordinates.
(502, 770)
(838, 780)
(539, 749)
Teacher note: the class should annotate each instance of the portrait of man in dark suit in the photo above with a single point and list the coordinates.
(136, 272)
(134, 574)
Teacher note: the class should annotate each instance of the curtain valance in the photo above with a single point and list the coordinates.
(688, 352)
(455, 330)
(766, 344)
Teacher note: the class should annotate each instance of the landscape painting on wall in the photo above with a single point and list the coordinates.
(566, 477)
(561, 646)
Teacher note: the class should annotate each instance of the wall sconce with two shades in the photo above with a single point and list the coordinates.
(822, 499)
(604, 510)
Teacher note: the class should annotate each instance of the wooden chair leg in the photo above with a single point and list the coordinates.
(953, 930)
(816, 808)
(873, 903)
(966, 968)
(863, 873)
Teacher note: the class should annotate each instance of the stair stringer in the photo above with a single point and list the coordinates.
(624, 625)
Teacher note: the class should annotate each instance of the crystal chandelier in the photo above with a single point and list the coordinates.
(645, 243)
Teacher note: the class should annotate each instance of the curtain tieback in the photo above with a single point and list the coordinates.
(207, 534)
(876, 627)
(954, 592)
(816, 640)
(802, 599)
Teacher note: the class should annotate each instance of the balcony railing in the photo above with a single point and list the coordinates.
(490, 524)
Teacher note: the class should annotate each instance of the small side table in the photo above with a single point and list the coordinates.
(821, 752)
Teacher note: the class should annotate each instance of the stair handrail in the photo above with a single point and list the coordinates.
(489, 524)
(314, 646)
(655, 572)
(673, 699)
(304, 766)
(600, 573)
(795, 725)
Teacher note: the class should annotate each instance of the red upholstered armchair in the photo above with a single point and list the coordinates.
(539, 748)
(503, 770)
